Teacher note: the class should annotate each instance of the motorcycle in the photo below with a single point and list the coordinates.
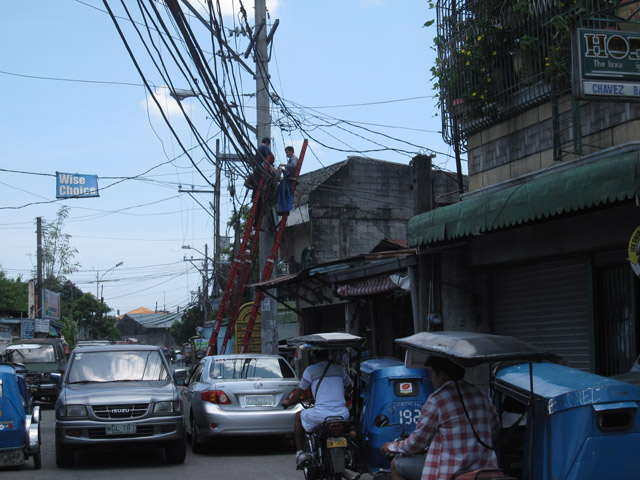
(334, 448)
(331, 451)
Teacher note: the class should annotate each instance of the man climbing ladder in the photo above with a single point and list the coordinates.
(241, 266)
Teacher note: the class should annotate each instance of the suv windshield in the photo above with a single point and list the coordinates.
(32, 354)
(250, 367)
(117, 366)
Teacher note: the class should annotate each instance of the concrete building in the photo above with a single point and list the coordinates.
(537, 248)
(344, 250)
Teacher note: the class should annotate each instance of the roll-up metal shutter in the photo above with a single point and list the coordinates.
(545, 303)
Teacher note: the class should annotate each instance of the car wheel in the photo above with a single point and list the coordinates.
(196, 444)
(176, 451)
(65, 456)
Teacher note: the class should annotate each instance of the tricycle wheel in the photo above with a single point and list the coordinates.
(37, 460)
(65, 456)
(176, 451)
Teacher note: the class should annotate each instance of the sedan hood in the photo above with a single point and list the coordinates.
(119, 392)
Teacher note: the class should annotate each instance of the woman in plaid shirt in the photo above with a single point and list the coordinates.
(444, 429)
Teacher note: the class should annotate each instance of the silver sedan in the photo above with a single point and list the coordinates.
(238, 395)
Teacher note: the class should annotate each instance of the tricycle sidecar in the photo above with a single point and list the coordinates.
(392, 399)
(19, 421)
(558, 423)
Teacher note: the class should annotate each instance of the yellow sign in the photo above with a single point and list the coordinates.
(634, 251)
(244, 315)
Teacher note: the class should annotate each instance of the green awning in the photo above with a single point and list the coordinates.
(596, 183)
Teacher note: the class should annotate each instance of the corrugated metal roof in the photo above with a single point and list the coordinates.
(156, 320)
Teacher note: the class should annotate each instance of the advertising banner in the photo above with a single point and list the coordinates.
(75, 185)
(51, 304)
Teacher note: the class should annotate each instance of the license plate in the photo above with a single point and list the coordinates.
(120, 429)
(259, 401)
(336, 442)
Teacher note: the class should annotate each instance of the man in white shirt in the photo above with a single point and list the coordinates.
(330, 386)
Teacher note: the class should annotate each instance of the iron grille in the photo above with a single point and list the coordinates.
(117, 412)
(498, 58)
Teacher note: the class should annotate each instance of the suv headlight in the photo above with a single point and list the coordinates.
(72, 411)
(167, 407)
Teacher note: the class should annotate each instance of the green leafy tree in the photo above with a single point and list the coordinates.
(91, 314)
(182, 330)
(70, 331)
(13, 295)
(106, 328)
(57, 252)
(69, 294)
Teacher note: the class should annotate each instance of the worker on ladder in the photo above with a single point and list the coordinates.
(264, 161)
(284, 197)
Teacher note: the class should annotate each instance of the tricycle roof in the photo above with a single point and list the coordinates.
(559, 388)
(328, 341)
(468, 348)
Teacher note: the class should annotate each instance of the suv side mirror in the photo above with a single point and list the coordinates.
(56, 377)
(180, 375)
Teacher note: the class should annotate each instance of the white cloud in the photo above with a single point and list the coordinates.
(168, 104)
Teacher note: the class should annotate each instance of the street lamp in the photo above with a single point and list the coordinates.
(179, 94)
(189, 247)
(100, 277)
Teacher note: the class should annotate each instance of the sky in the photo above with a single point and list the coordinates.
(357, 72)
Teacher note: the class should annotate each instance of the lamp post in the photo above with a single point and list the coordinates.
(205, 276)
(100, 277)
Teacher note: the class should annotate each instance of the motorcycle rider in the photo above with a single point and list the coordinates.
(330, 386)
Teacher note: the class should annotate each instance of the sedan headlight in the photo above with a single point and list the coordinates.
(72, 411)
(167, 407)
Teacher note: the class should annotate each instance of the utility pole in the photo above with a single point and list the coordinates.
(205, 283)
(204, 295)
(38, 299)
(268, 313)
(217, 247)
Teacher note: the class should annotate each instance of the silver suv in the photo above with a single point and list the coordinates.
(118, 395)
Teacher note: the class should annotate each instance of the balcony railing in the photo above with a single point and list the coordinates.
(497, 58)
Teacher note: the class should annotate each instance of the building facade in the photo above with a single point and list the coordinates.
(537, 248)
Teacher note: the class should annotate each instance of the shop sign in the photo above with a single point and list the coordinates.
(41, 325)
(607, 64)
(75, 185)
(26, 328)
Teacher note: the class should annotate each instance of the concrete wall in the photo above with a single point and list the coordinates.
(524, 144)
(361, 204)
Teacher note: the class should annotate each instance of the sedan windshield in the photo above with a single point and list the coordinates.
(117, 366)
(32, 354)
(250, 367)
